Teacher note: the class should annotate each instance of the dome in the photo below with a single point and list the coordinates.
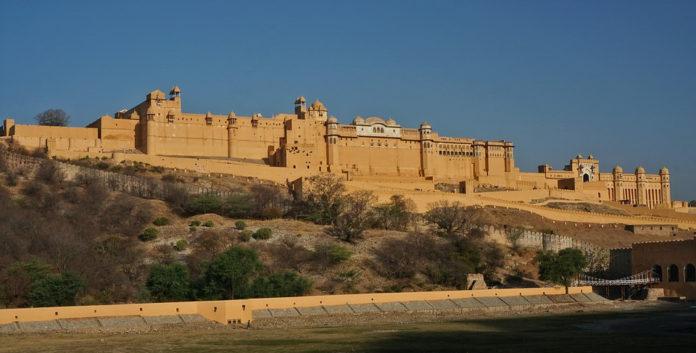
(231, 115)
(374, 120)
(300, 100)
(579, 156)
(318, 105)
(175, 90)
(664, 170)
(618, 169)
(640, 170)
(425, 125)
(590, 156)
(391, 122)
(358, 121)
(332, 120)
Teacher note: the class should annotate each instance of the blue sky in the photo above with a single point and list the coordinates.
(613, 78)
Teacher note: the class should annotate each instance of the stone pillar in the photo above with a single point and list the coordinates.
(231, 132)
(618, 184)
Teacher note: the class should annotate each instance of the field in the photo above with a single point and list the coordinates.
(637, 330)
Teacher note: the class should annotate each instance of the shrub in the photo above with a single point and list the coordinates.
(181, 245)
(149, 234)
(238, 204)
(102, 166)
(332, 254)
(195, 223)
(161, 221)
(192, 229)
(240, 225)
(245, 235)
(49, 173)
(403, 258)
(169, 282)
(206, 203)
(283, 284)
(208, 224)
(229, 275)
(323, 196)
(55, 290)
(262, 234)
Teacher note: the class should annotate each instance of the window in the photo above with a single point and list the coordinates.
(673, 273)
(657, 272)
(689, 273)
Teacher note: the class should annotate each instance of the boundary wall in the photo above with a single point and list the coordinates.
(241, 310)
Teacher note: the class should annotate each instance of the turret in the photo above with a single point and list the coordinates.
(640, 185)
(332, 139)
(665, 192)
(150, 133)
(617, 174)
(318, 111)
(427, 147)
(231, 132)
(301, 107)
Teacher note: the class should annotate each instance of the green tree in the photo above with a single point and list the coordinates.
(169, 282)
(282, 284)
(55, 290)
(228, 276)
(692, 203)
(561, 267)
(53, 117)
(206, 203)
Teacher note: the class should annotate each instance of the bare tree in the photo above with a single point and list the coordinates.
(53, 117)
(355, 216)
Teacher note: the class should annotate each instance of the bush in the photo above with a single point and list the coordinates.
(262, 234)
(49, 173)
(181, 245)
(450, 219)
(560, 267)
(195, 223)
(169, 282)
(397, 214)
(240, 225)
(323, 196)
(161, 221)
(206, 203)
(208, 224)
(229, 275)
(238, 204)
(149, 234)
(245, 235)
(331, 254)
(55, 290)
(283, 284)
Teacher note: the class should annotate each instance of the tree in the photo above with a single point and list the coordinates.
(561, 267)
(692, 203)
(396, 214)
(322, 199)
(355, 216)
(53, 117)
(169, 282)
(450, 219)
(229, 275)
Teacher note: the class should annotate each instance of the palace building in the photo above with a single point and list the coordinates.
(310, 141)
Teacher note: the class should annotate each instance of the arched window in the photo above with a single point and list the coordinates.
(689, 273)
(673, 273)
(657, 272)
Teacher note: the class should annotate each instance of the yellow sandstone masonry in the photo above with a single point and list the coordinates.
(240, 311)
(309, 141)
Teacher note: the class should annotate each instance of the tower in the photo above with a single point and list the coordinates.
(427, 147)
(318, 111)
(150, 133)
(617, 173)
(666, 197)
(332, 144)
(509, 157)
(301, 107)
(640, 186)
(231, 133)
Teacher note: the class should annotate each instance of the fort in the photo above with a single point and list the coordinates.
(311, 141)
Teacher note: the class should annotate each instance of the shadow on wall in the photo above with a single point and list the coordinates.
(643, 331)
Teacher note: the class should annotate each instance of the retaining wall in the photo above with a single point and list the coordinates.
(242, 310)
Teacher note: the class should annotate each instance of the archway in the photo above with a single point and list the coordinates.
(585, 178)
(689, 273)
(657, 272)
(673, 273)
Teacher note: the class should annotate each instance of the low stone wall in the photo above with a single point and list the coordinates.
(537, 240)
(243, 311)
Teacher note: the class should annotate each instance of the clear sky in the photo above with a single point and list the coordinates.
(613, 78)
